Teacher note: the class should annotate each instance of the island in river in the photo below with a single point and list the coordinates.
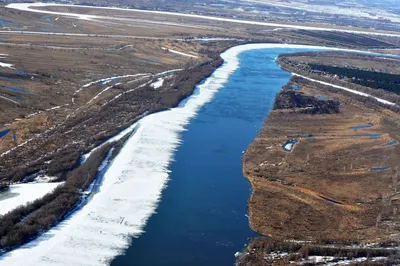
(324, 179)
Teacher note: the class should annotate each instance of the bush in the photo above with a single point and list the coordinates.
(27, 222)
(287, 99)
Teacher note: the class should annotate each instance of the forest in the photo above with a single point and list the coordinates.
(377, 80)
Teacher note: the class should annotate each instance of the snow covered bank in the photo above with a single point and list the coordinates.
(30, 7)
(23, 193)
(132, 185)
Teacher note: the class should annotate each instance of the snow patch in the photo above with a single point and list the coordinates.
(332, 261)
(346, 89)
(100, 93)
(289, 146)
(56, 107)
(107, 80)
(158, 84)
(44, 179)
(6, 65)
(179, 53)
(276, 255)
(24, 193)
(8, 99)
(165, 73)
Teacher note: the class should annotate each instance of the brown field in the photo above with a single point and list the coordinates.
(324, 189)
(54, 74)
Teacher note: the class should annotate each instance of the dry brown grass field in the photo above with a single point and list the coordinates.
(326, 188)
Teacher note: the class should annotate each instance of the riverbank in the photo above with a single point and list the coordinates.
(337, 183)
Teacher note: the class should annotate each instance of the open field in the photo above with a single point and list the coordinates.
(323, 187)
(335, 182)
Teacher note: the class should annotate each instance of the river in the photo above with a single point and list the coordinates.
(201, 219)
(175, 194)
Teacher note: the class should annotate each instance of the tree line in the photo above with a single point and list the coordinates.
(377, 80)
(28, 221)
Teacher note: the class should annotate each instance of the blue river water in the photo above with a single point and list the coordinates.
(201, 218)
(4, 132)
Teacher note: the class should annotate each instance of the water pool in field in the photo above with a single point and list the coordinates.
(4, 132)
